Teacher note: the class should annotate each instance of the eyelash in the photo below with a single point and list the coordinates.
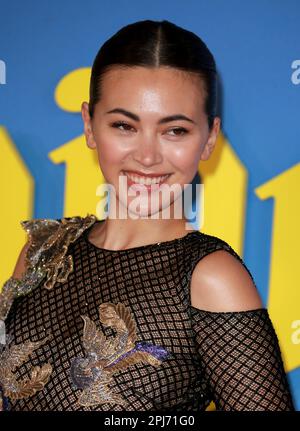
(116, 124)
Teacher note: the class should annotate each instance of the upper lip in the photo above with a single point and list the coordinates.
(143, 174)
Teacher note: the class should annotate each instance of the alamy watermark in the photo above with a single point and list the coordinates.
(154, 201)
(2, 333)
(2, 72)
(295, 77)
(296, 334)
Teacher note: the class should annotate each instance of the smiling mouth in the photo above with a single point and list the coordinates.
(144, 180)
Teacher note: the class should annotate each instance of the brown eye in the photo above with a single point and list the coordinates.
(117, 124)
(182, 131)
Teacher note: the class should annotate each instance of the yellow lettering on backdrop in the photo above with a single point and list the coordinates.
(83, 173)
(17, 198)
(284, 293)
(73, 89)
(225, 181)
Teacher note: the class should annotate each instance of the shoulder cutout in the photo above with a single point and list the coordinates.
(221, 283)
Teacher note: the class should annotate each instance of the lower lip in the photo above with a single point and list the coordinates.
(148, 187)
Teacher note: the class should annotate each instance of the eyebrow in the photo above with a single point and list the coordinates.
(135, 117)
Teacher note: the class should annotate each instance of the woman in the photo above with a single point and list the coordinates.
(124, 313)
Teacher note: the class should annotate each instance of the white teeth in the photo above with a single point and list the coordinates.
(145, 180)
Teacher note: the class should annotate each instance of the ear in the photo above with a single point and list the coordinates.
(87, 121)
(212, 139)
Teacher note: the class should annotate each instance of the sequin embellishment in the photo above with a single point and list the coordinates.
(49, 242)
(106, 356)
(11, 358)
(45, 257)
(45, 260)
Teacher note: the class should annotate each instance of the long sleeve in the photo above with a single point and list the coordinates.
(242, 360)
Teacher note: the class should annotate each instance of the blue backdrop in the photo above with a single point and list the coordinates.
(256, 46)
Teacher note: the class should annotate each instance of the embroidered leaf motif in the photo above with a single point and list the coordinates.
(17, 354)
(28, 387)
(13, 357)
(135, 358)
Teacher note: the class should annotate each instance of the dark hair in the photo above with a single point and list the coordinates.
(154, 44)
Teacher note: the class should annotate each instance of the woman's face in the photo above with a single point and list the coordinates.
(131, 131)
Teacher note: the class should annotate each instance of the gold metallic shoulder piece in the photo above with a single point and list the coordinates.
(49, 241)
(46, 257)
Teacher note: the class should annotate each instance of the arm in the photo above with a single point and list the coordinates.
(20, 264)
(235, 338)
(221, 283)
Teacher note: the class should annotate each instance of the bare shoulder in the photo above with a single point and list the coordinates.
(20, 266)
(221, 283)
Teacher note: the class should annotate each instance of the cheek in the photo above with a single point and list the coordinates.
(184, 156)
(111, 153)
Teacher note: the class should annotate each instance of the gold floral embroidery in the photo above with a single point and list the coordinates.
(13, 357)
(45, 257)
(104, 357)
(46, 261)
(49, 242)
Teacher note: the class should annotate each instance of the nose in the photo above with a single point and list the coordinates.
(148, 151)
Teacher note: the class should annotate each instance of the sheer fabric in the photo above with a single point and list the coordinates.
(242, 360)
(177, 357)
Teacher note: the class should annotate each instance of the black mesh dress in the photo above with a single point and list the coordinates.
(123, 336)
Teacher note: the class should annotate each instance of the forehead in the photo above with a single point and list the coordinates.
(162, 86)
